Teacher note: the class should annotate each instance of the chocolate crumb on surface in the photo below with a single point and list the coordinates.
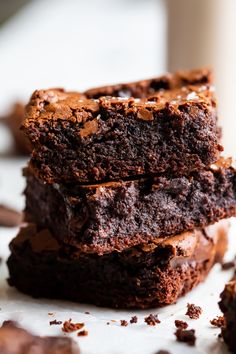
(186, 336)
(134, 319)
(87, 313)
(219, 321)
(228, 265)
(69, 326)
(181, 324)
(193, 311)
(162, 352)
(55, 322)
(82, 333)
(9, 217)
(123, 323)
(152, 320)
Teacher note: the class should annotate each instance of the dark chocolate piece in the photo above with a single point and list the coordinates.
(113, 216)
(85, 140)
(228, 307)
(16, 340)
(144, 276)
(186, 336)
(13, 121)
(9, 217)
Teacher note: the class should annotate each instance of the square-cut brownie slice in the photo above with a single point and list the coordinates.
(117, 215)
(87, 140)
(143, 276)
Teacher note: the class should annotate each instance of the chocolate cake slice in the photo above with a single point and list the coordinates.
(82, 140)
(115, 215)
(151, 274)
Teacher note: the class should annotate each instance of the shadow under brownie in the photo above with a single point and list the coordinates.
(152, 274)
(76, 139)
(114, 216)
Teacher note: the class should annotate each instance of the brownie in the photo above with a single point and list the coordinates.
(13, 121)
(152, 274)
(146, 88)
(16, 340)
(228, 307)
(89, 140)
(116, 215)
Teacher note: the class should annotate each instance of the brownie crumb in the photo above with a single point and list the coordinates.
(123, 323)
(50, 314)
(228, 265)
(134, 319)
(55, 322)
(186, 336)
(219, 321)
(69, 326)
(108, 323)
(87, 313)
(152, 320)
(181, 324)
(82, 333)
(163, 352)
(193, 311)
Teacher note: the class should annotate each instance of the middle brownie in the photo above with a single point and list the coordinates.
(117, 215)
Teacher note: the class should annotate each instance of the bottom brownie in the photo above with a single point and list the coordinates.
(147, 275)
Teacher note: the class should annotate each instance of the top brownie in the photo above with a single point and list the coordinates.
(172, 130)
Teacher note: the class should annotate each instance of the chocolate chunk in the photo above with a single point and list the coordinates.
(186, 336)
(9, 217)
(193, 311)
(228, 307)
(16, 340)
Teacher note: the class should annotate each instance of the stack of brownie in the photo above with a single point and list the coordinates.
(125, 192)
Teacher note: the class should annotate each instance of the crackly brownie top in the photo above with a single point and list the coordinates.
(57, 104)
(144, 88)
